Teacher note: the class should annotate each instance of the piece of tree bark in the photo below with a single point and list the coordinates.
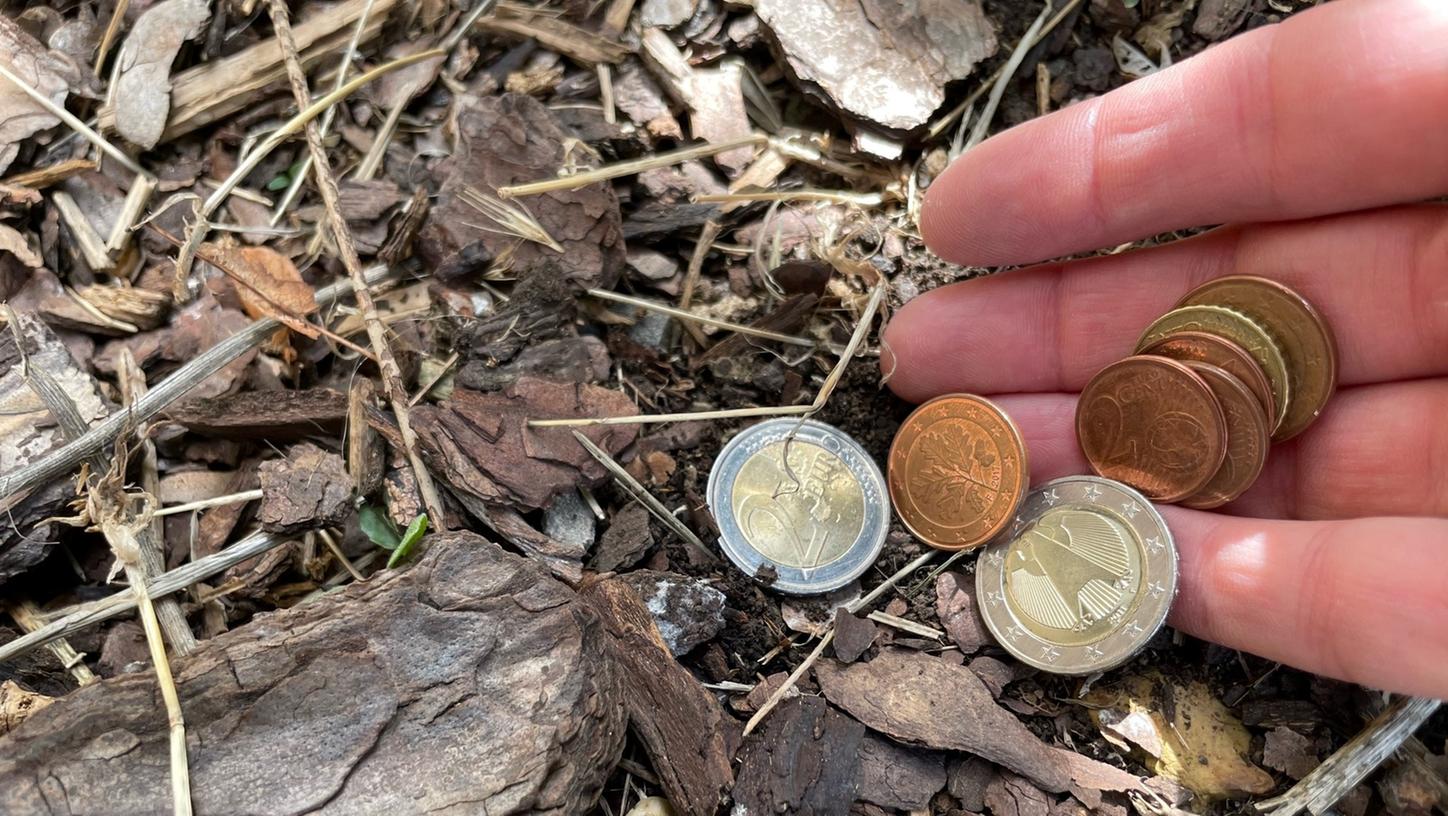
(470, 683)
(271, 415)
(681, 725)
(805, 761)
(923, 700)
(896, 777)
(510, 139)
(307, 490)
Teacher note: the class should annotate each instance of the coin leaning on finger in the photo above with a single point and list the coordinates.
(1299, 330)
(802, 500)
(957, 471)
(1083, 578)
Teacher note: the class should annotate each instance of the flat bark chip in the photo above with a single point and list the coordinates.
(680, 724)
(307, 490)
(923, 700)
(472, 682)
(805, 761)
(510, 139)
(482, 445)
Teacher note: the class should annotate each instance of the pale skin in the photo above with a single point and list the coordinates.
(1318, 142)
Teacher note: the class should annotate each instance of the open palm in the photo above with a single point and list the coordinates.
(1310, 139)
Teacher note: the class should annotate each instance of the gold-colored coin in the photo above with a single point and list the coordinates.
(1240, 329)
(1307, 342)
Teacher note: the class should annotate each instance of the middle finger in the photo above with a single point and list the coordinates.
(1379, 278)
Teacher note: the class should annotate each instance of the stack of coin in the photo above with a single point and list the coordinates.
(1239, 363)
(958, 471)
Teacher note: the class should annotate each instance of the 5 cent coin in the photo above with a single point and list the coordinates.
(1306, 340)
(1083, 578)
(801, 499)
(1154, 424)
(1237, 327)
(958, 471)
(1247, 439)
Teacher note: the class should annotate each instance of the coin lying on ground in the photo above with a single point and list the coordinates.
(957, 471)
(1306, 342)
(1083, 578)
(1247, 439)
(1241, 330)
(800, 499)
(1154, 424)
(1201, 347)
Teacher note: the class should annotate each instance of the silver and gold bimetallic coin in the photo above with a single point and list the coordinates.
(1082, 579)
(800, 499)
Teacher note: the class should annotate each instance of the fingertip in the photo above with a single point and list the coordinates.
(899, 364)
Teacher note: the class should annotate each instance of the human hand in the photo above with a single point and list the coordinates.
(1307, 137)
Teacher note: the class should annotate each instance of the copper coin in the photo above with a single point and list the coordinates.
(1202, 347)
(1299, 329)
(958, 471)
(1154, 424)
(1248, 438)
(1237, 327)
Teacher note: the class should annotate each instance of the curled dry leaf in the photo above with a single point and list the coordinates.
(142, 91)
(1181, 731)
(268, 283)
(49, 72)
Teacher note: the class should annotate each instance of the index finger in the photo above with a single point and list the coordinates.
(1338, 108)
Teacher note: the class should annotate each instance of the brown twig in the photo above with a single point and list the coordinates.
(347, 250)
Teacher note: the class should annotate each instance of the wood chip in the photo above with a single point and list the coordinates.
(505, 140)
(804, 760)
(142, 89)
(17, 244)
(28, 432)
(881, 63)
(1010, 795)
(922, 700)
(967, 779)
(472, 652)
(625, 541)
(50, 72)
(480, 442)
(956, 606)
(893, 776)
(680, 723)
(271, 415)
(853, 636)
(307, 490)
(1287, 751)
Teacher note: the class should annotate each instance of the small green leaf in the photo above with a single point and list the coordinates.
(410, 538)
(377, 526)
(278, 183)
(1130, 3)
